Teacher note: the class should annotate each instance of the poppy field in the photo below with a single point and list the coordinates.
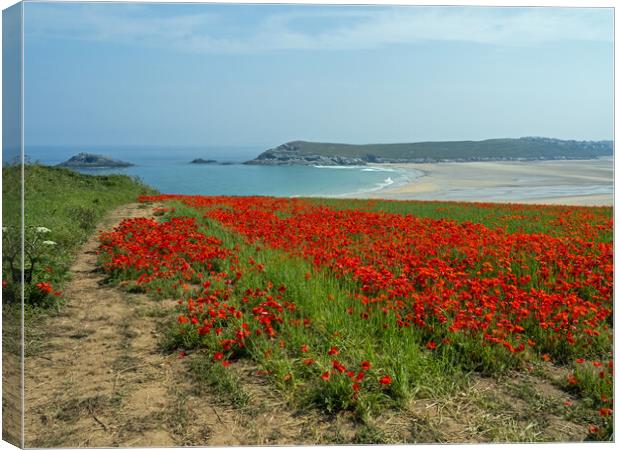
(365, 305)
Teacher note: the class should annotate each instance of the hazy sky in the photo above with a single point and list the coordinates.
(179, 74)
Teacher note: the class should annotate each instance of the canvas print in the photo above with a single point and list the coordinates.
(287, 224)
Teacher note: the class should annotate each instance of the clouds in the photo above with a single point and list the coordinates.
(240, 29)
(119, 23)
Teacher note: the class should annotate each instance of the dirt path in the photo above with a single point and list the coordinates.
(100, 380)
(11, 377)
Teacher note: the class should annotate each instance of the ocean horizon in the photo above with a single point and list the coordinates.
(169, 170)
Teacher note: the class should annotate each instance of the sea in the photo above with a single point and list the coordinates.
(169, 170)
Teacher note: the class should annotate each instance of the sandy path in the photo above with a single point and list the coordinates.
(100, 380)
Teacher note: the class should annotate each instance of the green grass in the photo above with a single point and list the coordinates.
(225, 383)
(68, 203)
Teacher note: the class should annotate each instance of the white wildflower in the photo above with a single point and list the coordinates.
(42, 230)
(48, 243)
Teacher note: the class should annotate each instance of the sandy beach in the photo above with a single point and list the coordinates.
(568, 182)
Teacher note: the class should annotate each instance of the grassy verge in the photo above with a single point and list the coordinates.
(62, 208)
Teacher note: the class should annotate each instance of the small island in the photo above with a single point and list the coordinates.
(94, 161)
(203, 161)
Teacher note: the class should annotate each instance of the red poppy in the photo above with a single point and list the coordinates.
(338, 366)
(44, 287)
(385, 380)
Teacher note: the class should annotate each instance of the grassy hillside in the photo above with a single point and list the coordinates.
(69, 205)
(528, 148)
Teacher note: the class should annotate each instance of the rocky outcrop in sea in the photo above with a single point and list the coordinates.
(92, 160)
(290, 154)
(203, 161)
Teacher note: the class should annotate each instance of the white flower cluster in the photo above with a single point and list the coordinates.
(42, 230)
(48, 243)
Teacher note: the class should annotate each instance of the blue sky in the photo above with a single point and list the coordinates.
(182, 74)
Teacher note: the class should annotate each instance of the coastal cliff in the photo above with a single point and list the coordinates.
(521, 149)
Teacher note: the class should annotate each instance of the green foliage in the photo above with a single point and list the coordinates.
(37, 249)
(593, 381)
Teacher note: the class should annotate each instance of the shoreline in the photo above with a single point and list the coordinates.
(554, 182)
